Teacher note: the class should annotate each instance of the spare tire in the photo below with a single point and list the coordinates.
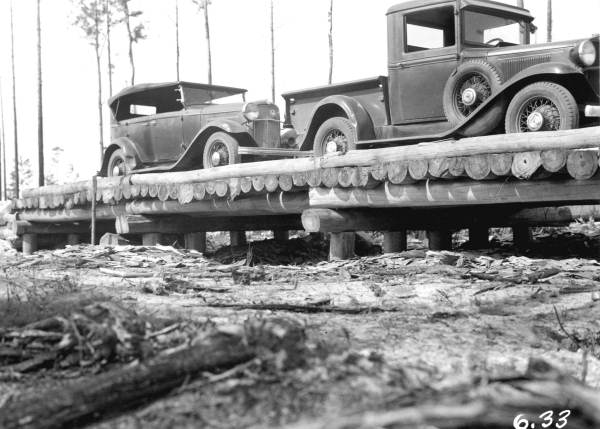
(471, 85)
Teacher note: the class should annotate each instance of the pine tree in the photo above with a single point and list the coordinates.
(203, 5)
(135, 33)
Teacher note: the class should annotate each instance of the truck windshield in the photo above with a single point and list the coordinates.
(483, 29)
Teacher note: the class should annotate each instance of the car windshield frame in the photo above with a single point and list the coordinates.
(522, 28)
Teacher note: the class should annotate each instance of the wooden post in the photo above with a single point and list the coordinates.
(73, 239)
(151, 238)
(93, 220)
(237, 238)
(195, 241)
(341, 245)
(440, 239)
(479, 237)
(521, 236)
(394, 241)
(281, 236)
(30, 243)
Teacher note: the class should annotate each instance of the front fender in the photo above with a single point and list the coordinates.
(130, 150)
(556, 72)
(192, 157)
(336, 105)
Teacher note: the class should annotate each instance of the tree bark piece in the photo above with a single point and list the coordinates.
(526, 164)
(285, 182)
(258, 183)
(186, 193)
(221, 188)
(313, 178)
(199, 191)
(299, 178)
(582, 164)
(501, 164)
(246, 184)
(195, 241)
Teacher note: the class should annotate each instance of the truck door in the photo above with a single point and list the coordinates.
(166, 136)
(423, 53)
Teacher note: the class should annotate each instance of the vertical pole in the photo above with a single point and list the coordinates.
(177, 36)
(3, 147)
(440, 239)
(521, 236)
(394, 241)
(330, 17)
(549, 22)
(14, 92)
(272, 56)
(30, 243)
(195, 241)
(40, 104)
(341, 245)
(93, 221)
(237, 238)
(108, 47)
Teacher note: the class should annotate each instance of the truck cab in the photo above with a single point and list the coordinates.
(455, 68)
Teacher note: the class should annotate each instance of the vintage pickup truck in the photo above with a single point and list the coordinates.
(456, 68)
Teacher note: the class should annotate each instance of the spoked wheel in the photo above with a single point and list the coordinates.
(542, 106)
(473, 90)
(472, 84)
(117, 166)
(335, 135)
(220, 149)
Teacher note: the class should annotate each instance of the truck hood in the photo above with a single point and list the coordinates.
(518, 49)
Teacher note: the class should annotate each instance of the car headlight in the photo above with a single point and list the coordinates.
(250, 111)
(586, 52)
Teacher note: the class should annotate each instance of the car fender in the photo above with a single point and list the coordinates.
(192, 157)
(552, 71)
(334, 105)
(130, 150)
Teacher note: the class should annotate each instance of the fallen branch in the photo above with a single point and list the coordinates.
(309, 308)
(88, 398)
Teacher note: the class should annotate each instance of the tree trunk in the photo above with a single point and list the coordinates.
(177, 37)
(14, 93)
(40, 104)
(272, 56)
(207, 30)
(108, 48)
(99, 72)
(2, 149)
(549, 21)
(130, 37)
(330, 16)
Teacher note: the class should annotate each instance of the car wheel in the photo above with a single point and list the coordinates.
(220, 149)
(335, 135)
(542, 106)
(117, 166)
(472, 84)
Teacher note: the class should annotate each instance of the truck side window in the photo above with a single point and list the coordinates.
(429, 29)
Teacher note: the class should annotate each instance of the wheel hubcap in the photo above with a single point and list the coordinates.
(538, 114)
(471, 92)
(535, 121)
(469, 96)
(219, 155)
(335, 141)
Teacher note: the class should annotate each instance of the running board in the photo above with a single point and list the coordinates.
(274, 152)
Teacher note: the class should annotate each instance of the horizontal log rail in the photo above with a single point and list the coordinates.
(485, 145)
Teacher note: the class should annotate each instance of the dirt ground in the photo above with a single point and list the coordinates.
(379, 328)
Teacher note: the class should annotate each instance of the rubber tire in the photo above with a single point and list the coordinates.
(118, 153)
(230, 143)
(558, 94)
(487, 120)
(336, 123)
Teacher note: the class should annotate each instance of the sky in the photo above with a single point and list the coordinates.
(240, 41)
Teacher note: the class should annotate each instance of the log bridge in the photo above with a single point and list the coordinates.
(516, 180)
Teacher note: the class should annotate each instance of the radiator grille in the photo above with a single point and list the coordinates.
(513, 66)
(266, 132)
